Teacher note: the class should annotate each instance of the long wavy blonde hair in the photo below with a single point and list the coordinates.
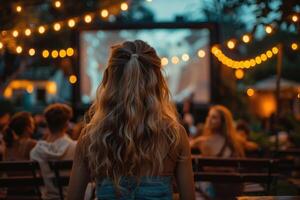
(227, 130)
(132, 120)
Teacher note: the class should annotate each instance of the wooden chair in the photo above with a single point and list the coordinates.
(21, 174)
(61, 180)
(243, 170)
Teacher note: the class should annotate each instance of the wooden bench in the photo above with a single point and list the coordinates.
(242, 170)
(21, 174)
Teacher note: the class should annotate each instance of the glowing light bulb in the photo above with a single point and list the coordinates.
(164, 61)
(54, 54)
(269, 29)
(15, 33)
(239, 74)
(246, 38)
(294, 46)
(57, 4)
(263, 57)
(88, 19)
(201, 53)
(41, 29)
(71, 23)
(124, 6)
(104, 13)
(295, 18)
(62, 53)
(19, 49)
(45, 53)
(19, 8)
(72, 79)
(175, 60)
(231, 44)
(185, 57)
(70, 51)
(57, 26)
(269, 54)
(1, 45)
(31, 52)
(27, 32)
(275, 50)
(250, 92)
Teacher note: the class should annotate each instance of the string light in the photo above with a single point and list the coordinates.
(19, 9)
(88, 18)
(231, 44)
(246, 38)
(268, 29)
(250, 92)
(294, 18)
(185, 57)
(15, 33)
(71, 23)
(70, 52)
(19, 49)
(41, 29)
(294, 46)
(31, 52)
(54, 54)
(235, 64)
(27, 32)
(57, 4)
(239, 74)
(1, 45)
(149, 0)
(72, 79)
(201, 53)
(164, 61)
(57, 26)
(104, 13)
(124, 6)
(45, 53)
(175, 60)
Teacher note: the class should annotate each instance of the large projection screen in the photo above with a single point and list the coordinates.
(187, 77)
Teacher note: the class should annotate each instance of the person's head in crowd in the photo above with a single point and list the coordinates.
(133, 101)
(6, 108)
(20, 125)
(242, 127)
(57, 117)
(220, 121)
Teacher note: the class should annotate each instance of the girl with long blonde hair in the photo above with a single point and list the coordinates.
(132, 143)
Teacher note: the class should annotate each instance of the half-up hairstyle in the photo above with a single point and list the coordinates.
(132, 119)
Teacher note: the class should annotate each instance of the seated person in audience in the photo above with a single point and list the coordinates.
(57, 146)
(243, 132)
(17, 137)
(220, 140)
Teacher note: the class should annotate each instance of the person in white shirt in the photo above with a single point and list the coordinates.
(57, 146)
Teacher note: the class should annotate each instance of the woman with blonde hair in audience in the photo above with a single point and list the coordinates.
(133, 145)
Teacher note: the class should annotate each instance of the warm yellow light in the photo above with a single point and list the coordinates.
(201, 53)
(269, 54)
(71, 23)
(252, 62)
(15, 33)
(298, 96)
(269, 29)
(8, 92)
(57, 26)
(62, 53)
(239, 74)
(70, 52)
(124, 6)
(185, 57)
(295, 18)
(275, 50)
(104, 13)
(246, 38)
(51, 88)
(247, 64)
(31, 52)
(164, 61)
(57, 4)
(294, 46)
(27, 32)
(19, 8)
(214, 50)
(263, 57)
(1, 45)
(231, 44)
(72, 79)
(29, 89)
(45, 53)
(88, 18)
(175, 60)
(250, 92)
(54, 54)
(19, 49)
(42, 29)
